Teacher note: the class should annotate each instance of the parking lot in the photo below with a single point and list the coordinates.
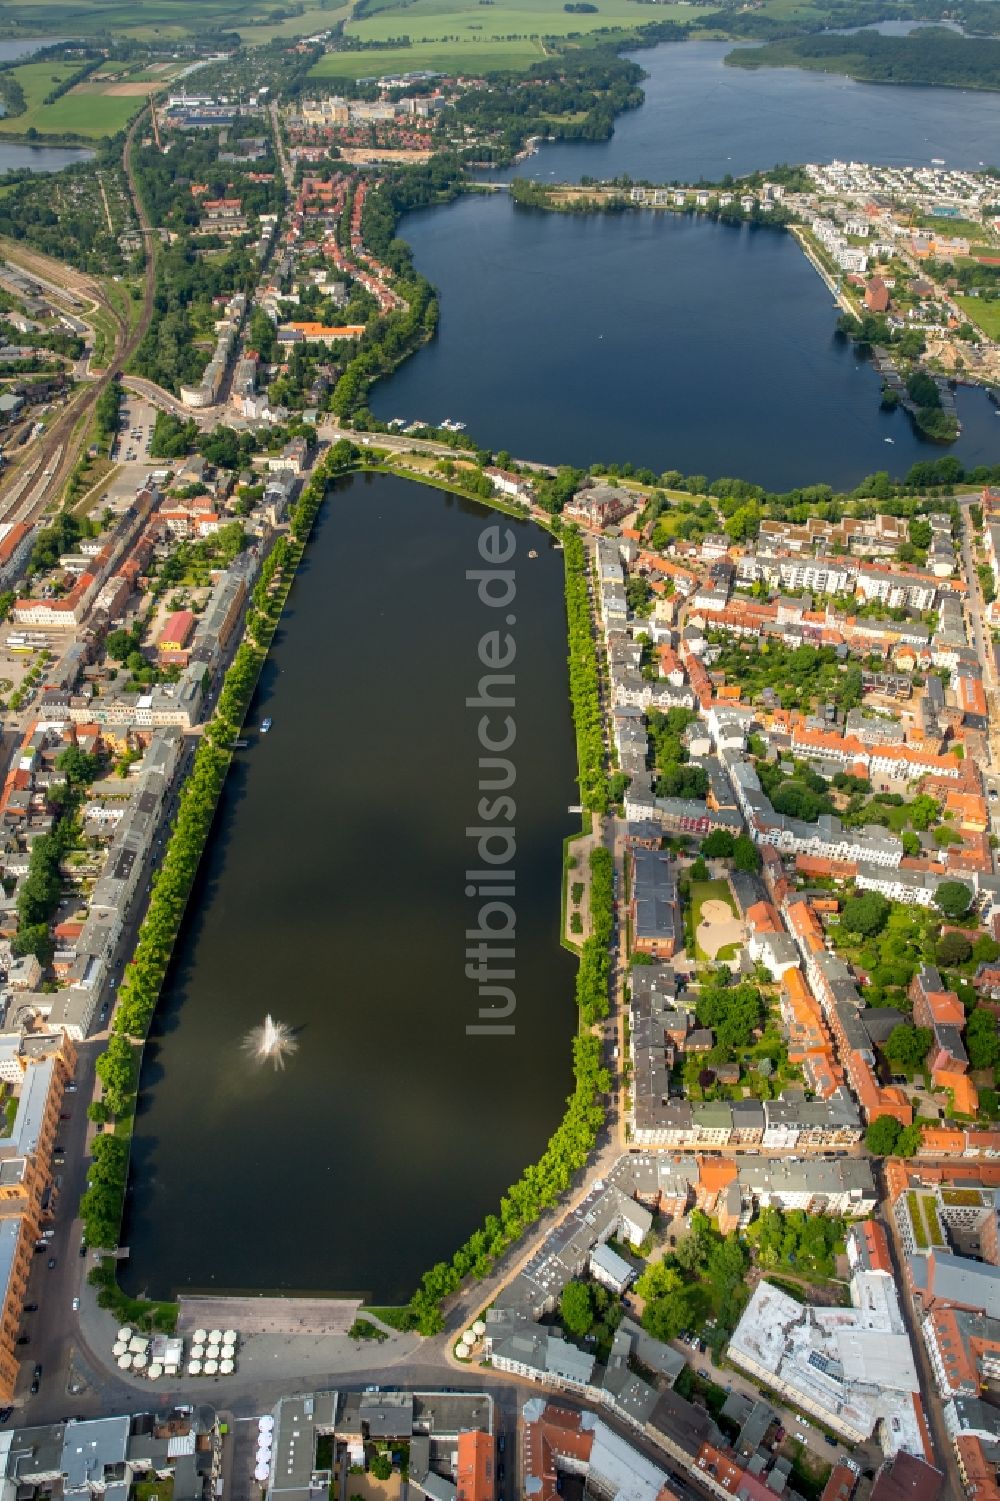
(131, 454)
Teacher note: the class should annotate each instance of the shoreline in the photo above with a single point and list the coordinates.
(140, 1308)
(292, 556)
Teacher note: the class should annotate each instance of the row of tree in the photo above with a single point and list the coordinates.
(595, 963)
(116, 1067)
(584, 679)
(540, 1186)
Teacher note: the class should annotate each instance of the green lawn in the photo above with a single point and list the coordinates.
(985, 315)
(709, 891)
(36, 80)
(434, 56)
(152, 20)
(87, 113)
(468, 21)
(475, 36)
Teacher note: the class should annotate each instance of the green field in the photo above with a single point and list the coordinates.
(466, 21)
(92, 115)
(473, 36)
(36, 80)
(435, 56)
(88, 113)
(150, 20)
(710, 891)
(985, 315)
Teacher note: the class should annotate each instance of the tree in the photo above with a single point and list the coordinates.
(911, 844)
(34, 939)
(866, 913)
(882, 1136)
(381, 1467)
(952, 948)
(718, 845)
(746, 855)
(981, 1040)
(954, 899)
(699, 870)
(576, 1308)
(985, 949)
(667, 1317)
(909, 1139)
(121, 644)
(906, 1047)
(669, 1306)
(77, 766)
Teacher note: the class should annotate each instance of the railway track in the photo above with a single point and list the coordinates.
(57, 450)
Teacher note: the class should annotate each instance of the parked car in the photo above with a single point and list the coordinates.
(22, 1339)
(52, 1262)
(31, 1307)
(6, 1413)
(76, 1305)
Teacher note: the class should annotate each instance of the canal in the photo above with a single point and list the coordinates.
(332, 896)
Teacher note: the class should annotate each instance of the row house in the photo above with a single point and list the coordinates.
(791, 1122)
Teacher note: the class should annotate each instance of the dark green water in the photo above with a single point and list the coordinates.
(333, 897)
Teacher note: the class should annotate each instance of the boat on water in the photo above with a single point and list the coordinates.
(532, 553)
(265, 725)
(938, 161)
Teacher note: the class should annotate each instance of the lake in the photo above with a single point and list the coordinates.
(668, 341)
(18, 158)
(702, 119)
(332, 895)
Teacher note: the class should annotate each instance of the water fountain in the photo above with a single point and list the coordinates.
(271, 1042)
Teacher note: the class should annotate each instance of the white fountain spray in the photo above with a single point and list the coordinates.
(271, 1042)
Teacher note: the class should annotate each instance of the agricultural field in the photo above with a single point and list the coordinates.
(90, 109)
(984, 314)
(473, 36)
(467, 21)
(257, 21)
(436, 56)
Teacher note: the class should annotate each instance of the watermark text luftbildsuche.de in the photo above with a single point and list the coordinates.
(490, 943)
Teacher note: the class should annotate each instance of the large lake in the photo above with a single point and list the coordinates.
(333, 896)
(672, 342)
(679, 343)
(702, 119)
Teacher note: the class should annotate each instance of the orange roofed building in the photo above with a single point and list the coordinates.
(475, 1479)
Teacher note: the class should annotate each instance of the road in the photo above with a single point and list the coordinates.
(287, 171)
(54, 1289)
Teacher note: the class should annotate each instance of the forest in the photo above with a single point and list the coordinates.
(930, 56)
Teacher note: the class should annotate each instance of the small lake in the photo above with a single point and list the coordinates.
(702, 120)
(332, 895)
(17, 157)
(12, 48)
(668, 341)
